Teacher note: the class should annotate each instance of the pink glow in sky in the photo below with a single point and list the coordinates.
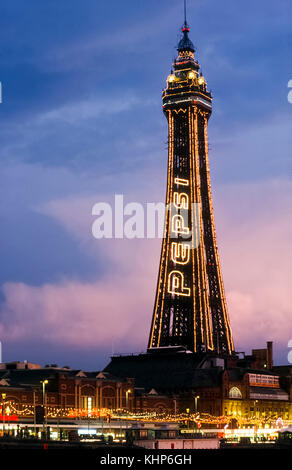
(116, 309)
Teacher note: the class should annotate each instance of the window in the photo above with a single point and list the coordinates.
(87, 402)
(264, 380)
(234, 392)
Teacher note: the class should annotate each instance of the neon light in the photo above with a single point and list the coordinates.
(181, 200)
(177, 225)
(230, 344)
(176, 284)
(157, 318)
(204, 306)
(181, 182)
(180, 253)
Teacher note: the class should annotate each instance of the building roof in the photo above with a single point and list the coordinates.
(165, 372)
(283, 370)
(28, 378)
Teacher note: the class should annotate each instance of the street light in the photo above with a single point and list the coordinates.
(188, 413)
(196, 403)
(7, 411)
(127, 398)
(3, 410)
(34, 413)
(174, 409)
(44, 383)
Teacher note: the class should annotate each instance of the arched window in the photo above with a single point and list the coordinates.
(108, 397)
(87, 397)
(234, 392)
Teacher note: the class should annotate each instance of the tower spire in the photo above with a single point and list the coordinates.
(185, 44)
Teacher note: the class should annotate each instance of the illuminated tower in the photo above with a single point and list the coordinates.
(190, 306)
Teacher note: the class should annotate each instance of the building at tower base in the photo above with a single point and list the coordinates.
(159, 383)
(237, 388)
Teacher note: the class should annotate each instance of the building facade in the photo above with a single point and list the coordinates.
(66, 392)
(205, 386)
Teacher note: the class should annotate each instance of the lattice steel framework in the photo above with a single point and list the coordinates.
(190, 306)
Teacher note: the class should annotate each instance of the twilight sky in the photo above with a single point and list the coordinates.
(81, 120)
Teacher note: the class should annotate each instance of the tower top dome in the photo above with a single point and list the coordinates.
(185, 44)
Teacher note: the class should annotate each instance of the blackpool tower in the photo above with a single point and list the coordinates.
(190, 306)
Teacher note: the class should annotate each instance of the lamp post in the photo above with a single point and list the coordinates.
(34, 416)
(3, 410)
(196, 403)
(44, 383)
(188, 414)
(7, 411)
(174, 409)
(127, 398)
